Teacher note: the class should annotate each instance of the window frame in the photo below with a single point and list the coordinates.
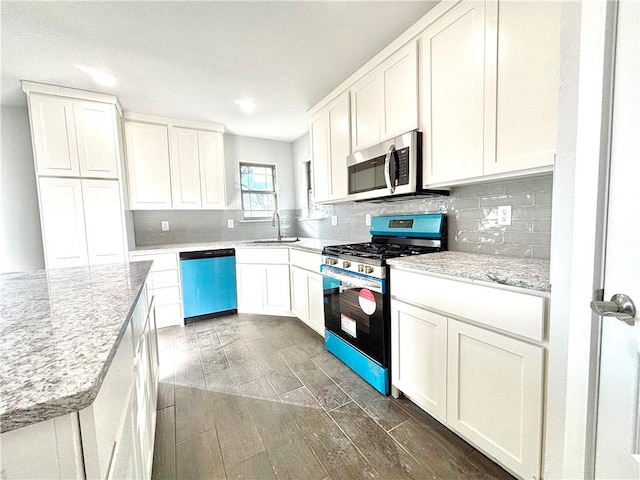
(273, 192)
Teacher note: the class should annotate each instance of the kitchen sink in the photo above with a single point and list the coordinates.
(275, 240)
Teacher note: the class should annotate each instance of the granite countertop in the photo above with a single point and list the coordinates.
(526, 273)
(59, 331)
(313, 245)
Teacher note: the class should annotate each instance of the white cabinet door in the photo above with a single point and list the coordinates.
(148, 166)
(96, 138)
(315, 303)
(452, 111)
(61, 209)
(53, 130)
(339, 146)
(250, 280)
(523, 132)
(277, 292)
(494, 396)
(367, 111)
(419, 357)
(299, 293)
(400, 80)
(212, 169)
(319, 129)
(104, 221)
(185, 168)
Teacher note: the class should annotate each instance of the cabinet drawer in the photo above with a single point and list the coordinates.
(161, 261)
(518, 313)
(166, 295)
(164, 279)
(262, 255)
(307, 260)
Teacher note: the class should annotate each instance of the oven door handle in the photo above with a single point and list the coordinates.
(387, 169)
(354, 279)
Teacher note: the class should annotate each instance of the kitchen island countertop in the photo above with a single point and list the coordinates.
(59, 331)
(528, 273)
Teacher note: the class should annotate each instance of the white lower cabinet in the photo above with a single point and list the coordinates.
(419, 357)
(467, 367)
(262, 276)
(306, 298)
(495, 395)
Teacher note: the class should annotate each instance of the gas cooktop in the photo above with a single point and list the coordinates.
(378, 251)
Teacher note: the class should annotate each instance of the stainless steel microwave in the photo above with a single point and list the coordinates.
(388, 170)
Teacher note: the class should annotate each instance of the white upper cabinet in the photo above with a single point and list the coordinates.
(97, 139)
(212, 171)
(174, 164)
(197, 169)
(525, 102)
(452, 60)
(330, 146)
(53, 132)
(148, 166)
(385, 102)
(490, 91)
(74, 137)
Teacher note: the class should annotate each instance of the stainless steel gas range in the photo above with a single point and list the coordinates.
(356, 290)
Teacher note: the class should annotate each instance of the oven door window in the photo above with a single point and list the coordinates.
(356, 314)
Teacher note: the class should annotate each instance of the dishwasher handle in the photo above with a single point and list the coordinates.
(221, 252)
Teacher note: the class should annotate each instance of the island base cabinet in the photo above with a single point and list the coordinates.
(49, 449)
(495, 395)
(419, 357)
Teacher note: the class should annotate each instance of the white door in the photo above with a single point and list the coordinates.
(103, 220)
(96, 138)
(316, 303)
(212, 171)
(320, 156)
(618, 430)
(339, 147)
(185, 168)
(366, 111)
(65, 243)
(400, 77)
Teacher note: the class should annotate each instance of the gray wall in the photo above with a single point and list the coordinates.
(472, 216)
(211, 225)
(20, 233)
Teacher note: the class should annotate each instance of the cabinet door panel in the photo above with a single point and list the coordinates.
(367, 111)
(250, 280)
(453, 95)
(400, 76)
(320, 155)
(104, 221)
(526, 101)
(97, 139)
(299, 296)
(61, 208)
(340, 148)
(53, 130)
(277, 292)
(316, 303)
(148, 166)
(495, 395)
(212, 170)
(185, 168)
(419, 356)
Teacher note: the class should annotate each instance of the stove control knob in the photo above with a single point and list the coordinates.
(368, 269)
(330, 261)
(360, 268)
(346, 264)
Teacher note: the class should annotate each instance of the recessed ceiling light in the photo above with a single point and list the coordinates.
(246, 105)
(99, 76)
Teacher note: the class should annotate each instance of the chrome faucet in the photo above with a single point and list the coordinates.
(276, 215)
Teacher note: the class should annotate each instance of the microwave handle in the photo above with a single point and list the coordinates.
(387, 169)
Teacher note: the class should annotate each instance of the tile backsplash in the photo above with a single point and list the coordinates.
(472, 215)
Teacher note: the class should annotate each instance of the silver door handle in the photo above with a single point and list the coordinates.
(620, 306)
(387, 169)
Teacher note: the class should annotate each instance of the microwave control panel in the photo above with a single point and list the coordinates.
(402, 171)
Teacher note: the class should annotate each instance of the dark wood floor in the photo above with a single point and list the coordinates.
(258, 397)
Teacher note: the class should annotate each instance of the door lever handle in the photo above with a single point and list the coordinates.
(620, 306)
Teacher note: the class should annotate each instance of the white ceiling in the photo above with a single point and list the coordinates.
(192, 59)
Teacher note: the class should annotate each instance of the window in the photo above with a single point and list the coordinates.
(258, 191)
